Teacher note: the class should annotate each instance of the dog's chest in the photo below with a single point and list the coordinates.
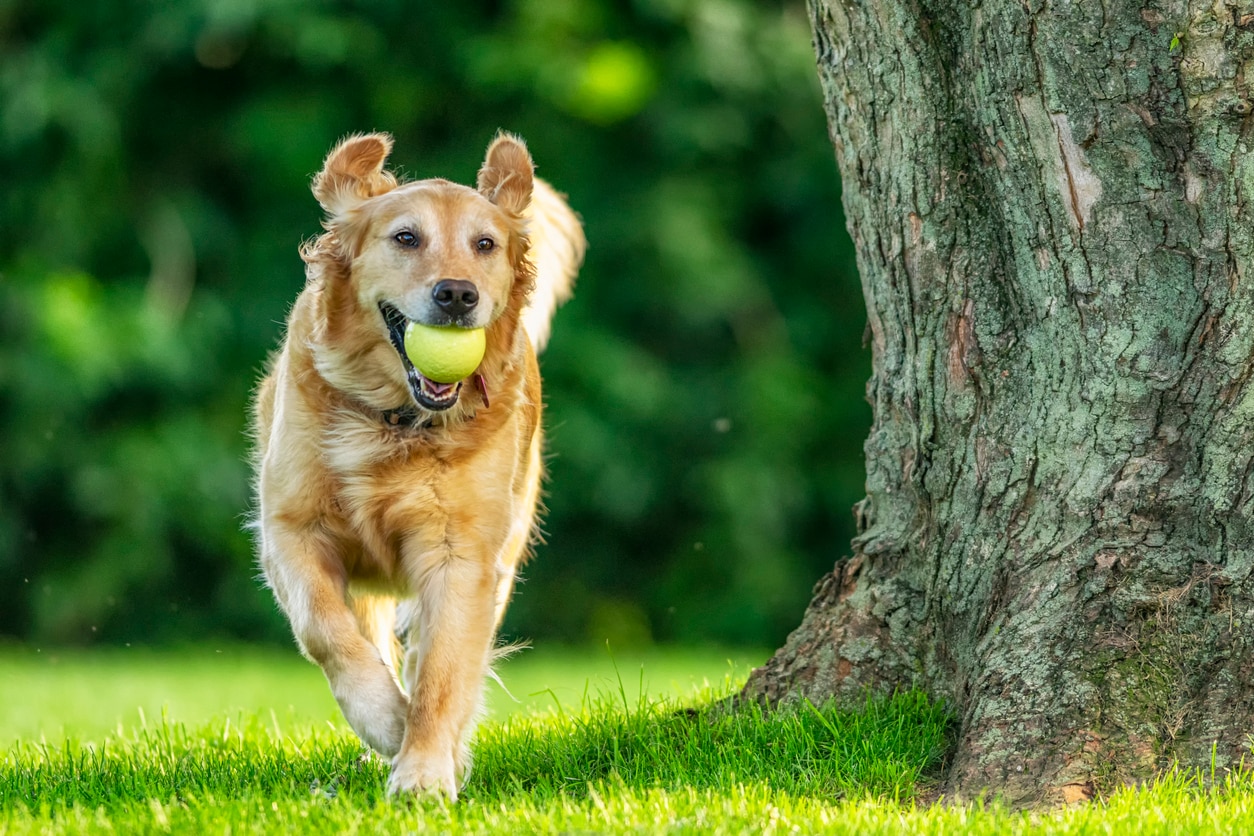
(354, 446)
(401, 495)
(376, 467)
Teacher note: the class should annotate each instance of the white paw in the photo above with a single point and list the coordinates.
(385, 733)
(428, 775)
(376, 712)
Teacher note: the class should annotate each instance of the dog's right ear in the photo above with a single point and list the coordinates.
(353, 172)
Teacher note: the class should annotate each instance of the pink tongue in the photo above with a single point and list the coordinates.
(438, 388)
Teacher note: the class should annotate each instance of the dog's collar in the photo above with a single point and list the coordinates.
(404, 416)
(407, 414)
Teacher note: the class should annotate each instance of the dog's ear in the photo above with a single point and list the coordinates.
(353, 172)
(507, 174)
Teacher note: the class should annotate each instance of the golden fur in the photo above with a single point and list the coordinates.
(354, 513)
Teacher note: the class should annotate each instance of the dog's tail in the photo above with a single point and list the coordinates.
(557, 248)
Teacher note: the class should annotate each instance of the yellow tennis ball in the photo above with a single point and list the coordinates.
(443, 353)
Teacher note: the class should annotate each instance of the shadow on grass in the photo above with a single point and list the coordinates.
(882, 750)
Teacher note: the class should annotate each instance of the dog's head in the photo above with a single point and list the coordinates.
(429, 251)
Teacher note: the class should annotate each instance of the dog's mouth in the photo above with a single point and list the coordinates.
(427, 393)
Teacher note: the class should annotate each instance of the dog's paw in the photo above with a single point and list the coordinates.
(423, 775)
(384, 733)
(377, 714)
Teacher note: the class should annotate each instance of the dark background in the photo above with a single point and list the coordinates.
(705, 386)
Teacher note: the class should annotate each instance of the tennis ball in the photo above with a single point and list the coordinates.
(443, 353)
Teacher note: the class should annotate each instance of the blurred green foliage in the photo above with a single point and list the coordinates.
(704, 387)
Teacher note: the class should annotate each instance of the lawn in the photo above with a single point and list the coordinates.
(51, 695)
(202, 741)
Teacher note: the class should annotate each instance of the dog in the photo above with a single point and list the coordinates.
(376, 486)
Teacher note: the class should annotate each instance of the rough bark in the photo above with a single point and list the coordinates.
(1050, 201)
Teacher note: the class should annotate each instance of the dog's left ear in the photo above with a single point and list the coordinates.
(507, 174)
(353, 172)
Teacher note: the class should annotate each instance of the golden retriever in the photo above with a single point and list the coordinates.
(375, 485)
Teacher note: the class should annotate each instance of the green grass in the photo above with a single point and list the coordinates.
(606, 756)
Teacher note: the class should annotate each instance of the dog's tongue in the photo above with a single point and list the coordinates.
(437, 389)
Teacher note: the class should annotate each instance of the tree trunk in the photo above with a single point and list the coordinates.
(1051, 204)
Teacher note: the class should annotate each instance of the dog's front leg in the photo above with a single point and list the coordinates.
(454, 635)
(311, 588)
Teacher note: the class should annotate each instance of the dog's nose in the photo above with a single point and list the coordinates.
(455, 297)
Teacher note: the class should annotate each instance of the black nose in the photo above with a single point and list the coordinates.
(455, 297)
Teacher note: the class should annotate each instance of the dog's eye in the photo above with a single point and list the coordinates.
(485, 244)
(406, 238)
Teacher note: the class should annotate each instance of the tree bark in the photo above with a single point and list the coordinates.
(1051, 206)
